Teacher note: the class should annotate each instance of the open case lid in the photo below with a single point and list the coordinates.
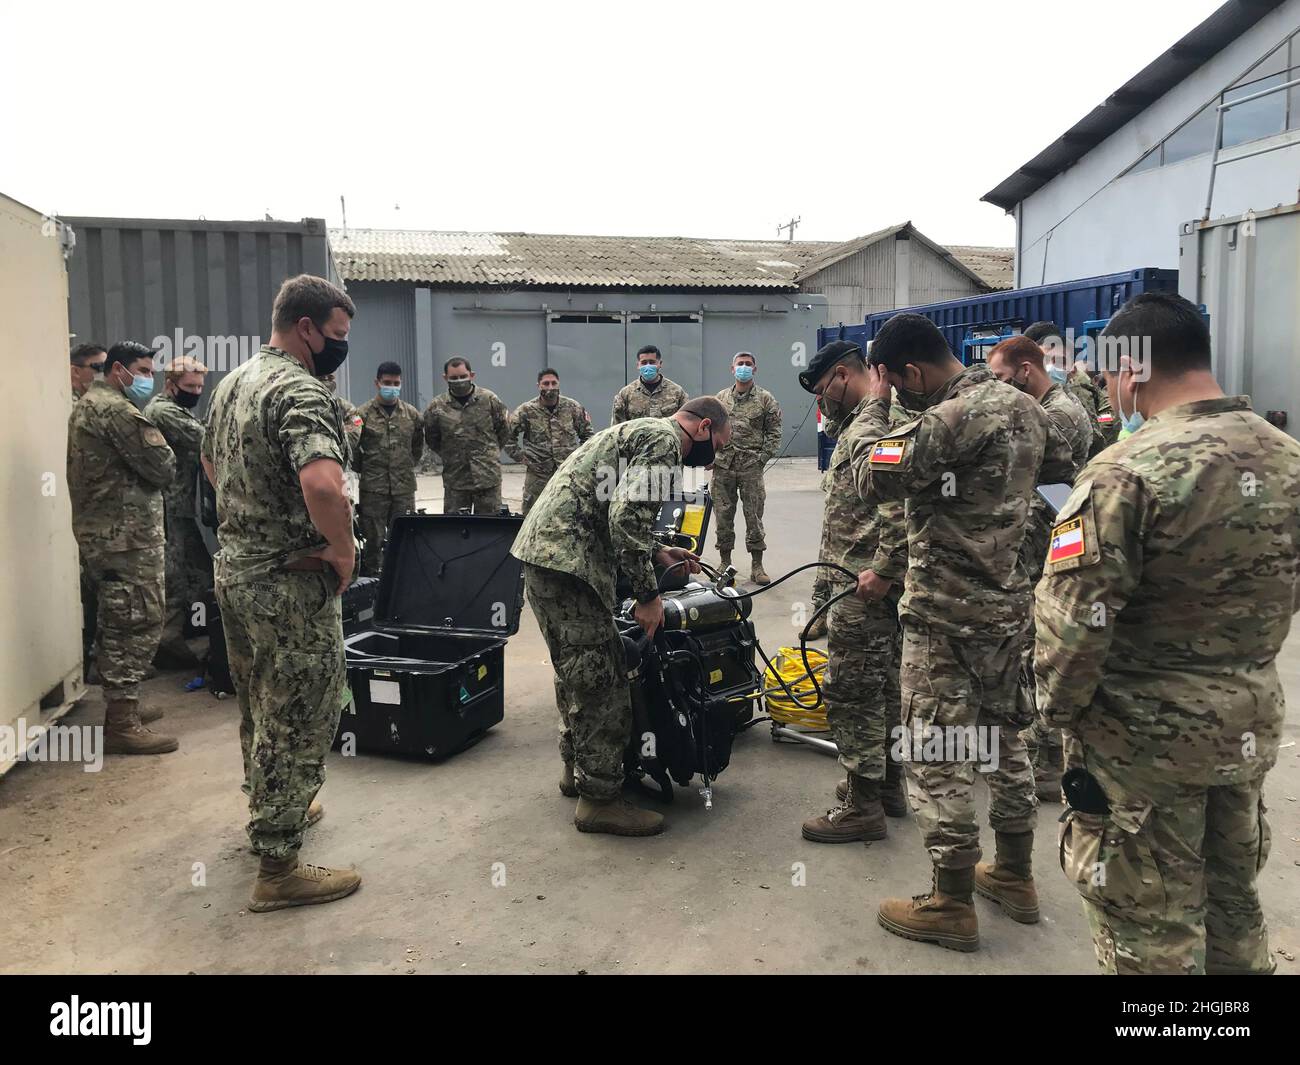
(451, 572)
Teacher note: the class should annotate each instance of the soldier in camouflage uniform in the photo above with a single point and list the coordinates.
(1019, 362)
(1074, 378)
(552, 427)
(594, 519)
(1171, 581)
(651, 395)
(274, 451)
(821, 592)
(351, 420)
(392, 441)
(738, 470)
(468, 426)
(86, 361)
(118, 464)
(861, 681)
(967, 466)
(189, 566)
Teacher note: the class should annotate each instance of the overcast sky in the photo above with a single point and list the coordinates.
(709, 118)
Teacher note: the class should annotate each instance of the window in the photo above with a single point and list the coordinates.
(1259, 118)
(1148, 162)
(1195, 137)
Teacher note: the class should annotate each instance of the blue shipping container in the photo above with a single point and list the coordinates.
(1070, 304)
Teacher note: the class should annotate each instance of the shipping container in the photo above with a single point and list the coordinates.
(1246, 272)
(40, 594)
(1078, 305)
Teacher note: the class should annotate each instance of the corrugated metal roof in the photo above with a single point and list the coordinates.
(1208, 39)
(997, 266)
(538, 259)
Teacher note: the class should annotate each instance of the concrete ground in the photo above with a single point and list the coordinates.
(473, 865)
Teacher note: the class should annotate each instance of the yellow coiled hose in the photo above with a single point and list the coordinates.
(788, 666)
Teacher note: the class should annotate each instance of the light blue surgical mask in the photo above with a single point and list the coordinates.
(389, 393)
(141, 388)
(1129, 423)
(744, 373)
(1057, 374)
(648, 372)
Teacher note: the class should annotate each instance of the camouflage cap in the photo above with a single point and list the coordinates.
(827, 356)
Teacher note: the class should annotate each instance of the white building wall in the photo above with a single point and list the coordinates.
(1100, 224)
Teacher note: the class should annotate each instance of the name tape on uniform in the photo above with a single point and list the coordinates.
(887, 452)
(1067, 541)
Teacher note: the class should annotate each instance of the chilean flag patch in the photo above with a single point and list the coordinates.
(1105, 418)
(887, 452)
(1067, 541)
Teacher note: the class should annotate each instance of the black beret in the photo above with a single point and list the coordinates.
(827, 356)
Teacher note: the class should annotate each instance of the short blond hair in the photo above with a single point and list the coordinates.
(183, 364)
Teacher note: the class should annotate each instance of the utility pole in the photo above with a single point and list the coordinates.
(790, 226)
(343, 204)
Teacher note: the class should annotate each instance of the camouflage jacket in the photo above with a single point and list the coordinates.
(859, 535)
(118, 464)
(550, 434)
(967, 468)
(1076, 428)
(755, 429)
(392, 441)
(469, 436)
(268, 418)
(1096, 403)
(596, 516)
(1170, 586)
(637, 401)
(351, 430)
(184, 435)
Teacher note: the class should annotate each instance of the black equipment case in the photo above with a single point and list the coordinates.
(428, 679)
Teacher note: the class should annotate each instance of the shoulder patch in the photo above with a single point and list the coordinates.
(1073, 543)
(152, 436)
(888, 452)
(1067, 541)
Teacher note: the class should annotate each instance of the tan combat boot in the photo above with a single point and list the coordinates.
(858, 819)
(618, 817)
(125, 734)
(893, 793)
(724, 559)
(945, 916)
(283, 882)
(315, 811)
(1009, 880)
(149, 713)
(568, 783)
(758, 574)
(818, 629)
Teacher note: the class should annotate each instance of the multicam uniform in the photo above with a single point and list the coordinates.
(391, 443)
(637, 400)
(189, 566)
(967, 468)
(1093, 398)
(550, 435)
(284, 632)
(1170, 586)
(738, 467)
(594, 519)
(118, 464)
(469, 435)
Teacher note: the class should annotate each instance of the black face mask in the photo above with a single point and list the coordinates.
(702, 452)
(330, 357)
(188, 400)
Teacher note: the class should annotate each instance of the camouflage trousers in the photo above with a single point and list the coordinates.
(748, 490)
(480, 501)
(861, 683)
(591, 690)
(1042, 742)
(89, 617)
(533, 485)
(284, 638)
(377, 513)
(129, 589)
(959, 706)
(1168, 876)
(189, 580)
(822, 577)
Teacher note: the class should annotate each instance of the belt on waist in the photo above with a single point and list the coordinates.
(314, 565)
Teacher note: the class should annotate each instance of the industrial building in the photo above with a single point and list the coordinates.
(1113, 191)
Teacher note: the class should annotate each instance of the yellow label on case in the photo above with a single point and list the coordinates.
(482, 672)
(693, 519)
(715, 676)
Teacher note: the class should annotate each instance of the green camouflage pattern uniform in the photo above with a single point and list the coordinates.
(738, 467)
(118, 464)
(269, 418)
(469, 434)
(595, 518)
(1093, 398)
(391, 443)
(635, 400)
(967, 468)
(821, 582)
(351, 429)
(189, 566)
(1158, 632)
(863, 641)
(1076, 428)
(550, 435)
